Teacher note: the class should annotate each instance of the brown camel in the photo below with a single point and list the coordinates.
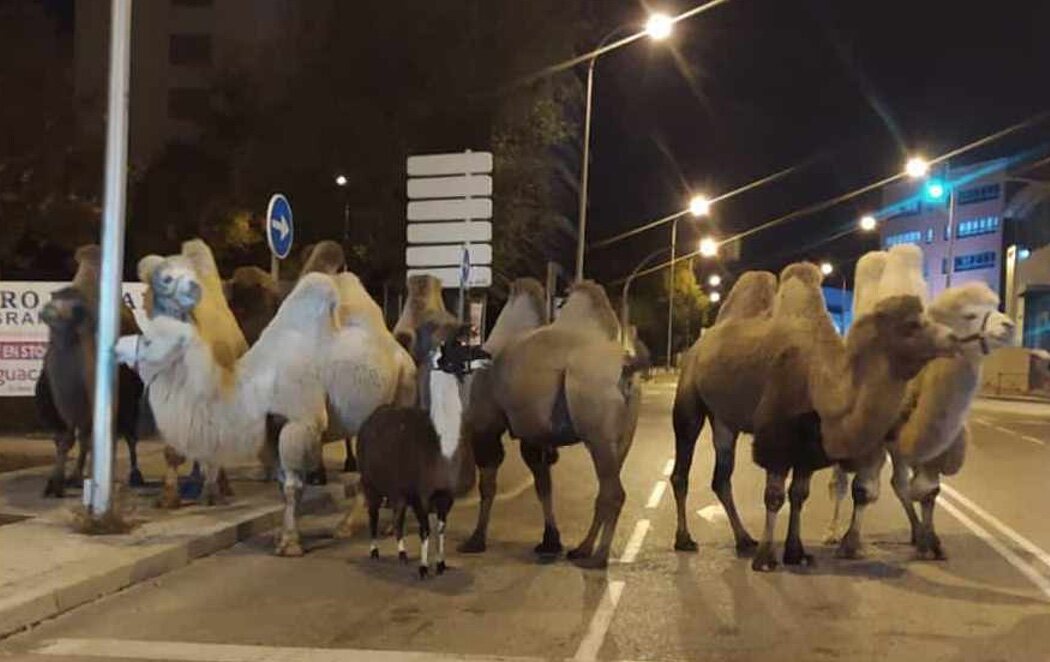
(560, 384)
(773, 365)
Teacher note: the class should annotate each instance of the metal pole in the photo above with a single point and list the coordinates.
(275, 268)
(552, 284)
(581, 232)
(670, 289)
(951, 229)
(97, 495)
(346, 231)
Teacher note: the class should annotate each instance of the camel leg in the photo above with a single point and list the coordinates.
(900, 481)
(424, 535)
(56, 483)
(929, 544)
(350, 464)
(765, 556)
(134, 474)
(537, 459)
(688, 417)
(211, 492)
(83, 450)
(607, 507)
(722, 484)
(837, 487)
(488, 457)
(170, 497)
(288, 540)
(298, 443)
(865, 491)
(794, 552)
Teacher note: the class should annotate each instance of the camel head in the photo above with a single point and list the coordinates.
(971, 311)
(174, 287)
(68, 313)
(164, 341)
(422, 304)
(899, 328)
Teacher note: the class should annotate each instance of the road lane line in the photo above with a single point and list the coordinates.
(669, 467)
(130, 649)
(656, 494)
(600, 622)
(1025, 568)
(1027, 438)
(1022, 542)
(1034, 440)
(634, 543)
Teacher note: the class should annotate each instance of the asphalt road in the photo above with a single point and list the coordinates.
(989, 601)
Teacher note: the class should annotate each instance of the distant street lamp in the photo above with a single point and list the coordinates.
(340, 180)
(715, 280)
(917, 167)
(868, 223)
(826, 268)
(714, 297)
(657, 28)
(699, 206)
(708, 247)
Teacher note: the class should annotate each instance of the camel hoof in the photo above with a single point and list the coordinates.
(441, 567)
(590, 562)
(424, 572)
(579, 553)
(551, 545)
(683, 542)
(350, 465)
(765, 560)
(831, 538)
(135, 479)
(402, 557)
(746, 546)
(799, 557)
(55, 488)
(475, 544)
(289, 547)
(929, 548)
(317, 477)
(374, 554)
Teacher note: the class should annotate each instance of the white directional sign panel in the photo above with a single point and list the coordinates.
(449, 233)
(450, 210)
(450, 187)
(449, 276)
(447, 255)
(457, 163)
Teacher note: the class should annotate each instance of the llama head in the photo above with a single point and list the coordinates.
(971, 311)
(899, 328)
(175, 288)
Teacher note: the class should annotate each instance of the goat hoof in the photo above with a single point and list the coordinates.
(590, 562)
(374, 554)
(683, 542)
(765, 560)
(475, 544)
(441, 567)
(424, 572)
(402, 557)
(135, 478)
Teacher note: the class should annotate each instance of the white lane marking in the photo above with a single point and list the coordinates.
(634, 543)
(669, 467)
(712, 513)
(600, 622)
(656, 494)
(130, 649)
(1034, 440)
(1024, 543)
(1025, 568)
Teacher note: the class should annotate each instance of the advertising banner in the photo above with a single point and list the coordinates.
(23, 337)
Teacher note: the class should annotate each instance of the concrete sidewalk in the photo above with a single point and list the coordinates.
(47, 568)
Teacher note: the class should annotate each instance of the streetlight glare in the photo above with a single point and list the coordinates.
(715, 280)
(659, 26)
(826, 268)
(868, 223)
(699, 205)
(714, 297)
(340, 180)
(708, 247)
(917, 167)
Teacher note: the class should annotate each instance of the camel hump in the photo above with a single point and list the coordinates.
(903, 273)
(751, 296)
(532, 290)
(799, 292)
(588, 309)
(325, 257)
(866, 279)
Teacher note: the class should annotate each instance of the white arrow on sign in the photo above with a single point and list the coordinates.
(427, 165)
(439, 256)
(449, 276)
(281, 225)
(448, 233)
(449, 210)
(450, 187)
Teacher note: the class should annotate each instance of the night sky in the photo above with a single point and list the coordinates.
(847, 87)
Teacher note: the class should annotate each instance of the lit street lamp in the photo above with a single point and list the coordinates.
(868, 223)
(936, 189)
(715, 280)
(699, 206)
(714, 297)
(658, 27)
(917, 167)
(340, 180)
(826, 268)
(708, 247)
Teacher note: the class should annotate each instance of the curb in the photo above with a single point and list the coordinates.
(54, 596)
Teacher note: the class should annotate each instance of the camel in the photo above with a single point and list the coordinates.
(65, 388)
(563, 383)
(929, 440)
(423, 304)
(253, 298)
(772, 364)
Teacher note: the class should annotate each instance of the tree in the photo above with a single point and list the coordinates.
(692, 308)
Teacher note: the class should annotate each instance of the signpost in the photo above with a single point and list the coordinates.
(279, 231)
(449, 211)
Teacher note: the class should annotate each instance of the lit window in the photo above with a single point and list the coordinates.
(974, 261)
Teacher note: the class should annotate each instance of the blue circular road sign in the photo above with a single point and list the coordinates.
(279, 229)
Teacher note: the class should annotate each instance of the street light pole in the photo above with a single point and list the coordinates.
(581, 232)
(670, 289)
(950, 266)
